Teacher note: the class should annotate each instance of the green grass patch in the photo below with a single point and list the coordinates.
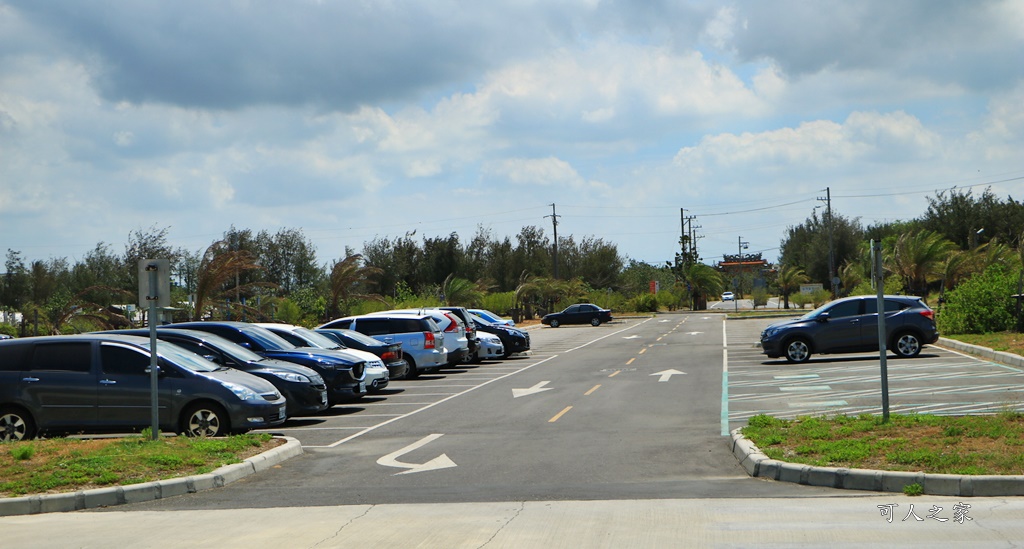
(51, 465)
(972, 445)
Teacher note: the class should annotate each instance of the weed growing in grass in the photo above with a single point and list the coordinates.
(914, 489)
(21, 453)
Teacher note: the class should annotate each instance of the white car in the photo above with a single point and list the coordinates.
(728, 296)
(490, 347)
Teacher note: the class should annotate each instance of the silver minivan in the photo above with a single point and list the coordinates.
(101, 383)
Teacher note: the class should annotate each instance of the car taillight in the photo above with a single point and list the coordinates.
(454, 326)
(929, 313)
(388, 356)
(428, 342)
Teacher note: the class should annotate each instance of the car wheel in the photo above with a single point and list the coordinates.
(906, 345)
(554, 323)
(595, 321)
(16, 425)
(798, 351)
(205, 420)
(413, 372)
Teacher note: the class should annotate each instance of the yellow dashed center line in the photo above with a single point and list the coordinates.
(596, 387)
(642, 351)
(615, 373)
(560, 414)
(630, 361)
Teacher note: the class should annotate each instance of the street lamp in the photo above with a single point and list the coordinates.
(739, 276)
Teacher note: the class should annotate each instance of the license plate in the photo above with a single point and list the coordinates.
(283, 412)
(323, 397)
(362, 386)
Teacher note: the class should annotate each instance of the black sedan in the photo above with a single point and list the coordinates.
(581, 313)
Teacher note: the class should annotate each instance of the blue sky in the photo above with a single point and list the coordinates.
(358, 120)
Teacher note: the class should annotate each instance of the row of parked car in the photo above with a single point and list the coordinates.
(217, 378)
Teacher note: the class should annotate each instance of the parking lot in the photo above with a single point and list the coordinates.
(939, 381)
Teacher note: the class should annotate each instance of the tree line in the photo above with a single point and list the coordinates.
(259, 275)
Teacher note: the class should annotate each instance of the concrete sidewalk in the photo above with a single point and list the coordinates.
(875, 520)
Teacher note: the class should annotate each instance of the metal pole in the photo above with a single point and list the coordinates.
(876, 248)
(154, 402)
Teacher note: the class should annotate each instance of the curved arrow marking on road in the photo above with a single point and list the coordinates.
(440, 462)
(538, 388)
(666, 374)
(632, 337)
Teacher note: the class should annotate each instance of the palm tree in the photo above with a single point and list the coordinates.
(789, 280)
(347, 274)
(919, 258)
(459, 291)
(851, 275)
(703, 280)
(220, 267)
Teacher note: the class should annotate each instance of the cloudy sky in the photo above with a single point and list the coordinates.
(358, 119)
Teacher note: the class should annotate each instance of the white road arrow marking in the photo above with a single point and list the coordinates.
(693, 333)
(632, 337)
(666, 374)
(440, 462)
(538, 388)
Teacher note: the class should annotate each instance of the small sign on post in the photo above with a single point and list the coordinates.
(154, 292)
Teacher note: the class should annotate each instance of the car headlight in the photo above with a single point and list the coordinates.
(326, 364)
(770, 332)
(240, 391)
(291, 376)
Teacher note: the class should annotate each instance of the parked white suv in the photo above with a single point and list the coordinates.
(421, 338)
(455, 337)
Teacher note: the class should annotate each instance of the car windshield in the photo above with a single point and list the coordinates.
(183, 358)
(267, 339)
(480, 320)
(816, 313)
(487, 315)
(361, 338)
(236, 351)
(318, 340)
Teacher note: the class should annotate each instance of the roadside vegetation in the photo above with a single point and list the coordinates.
(964, 445)
(71, 464)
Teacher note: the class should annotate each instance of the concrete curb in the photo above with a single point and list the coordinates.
(1009, 359)
(148, 491)
(759, 465)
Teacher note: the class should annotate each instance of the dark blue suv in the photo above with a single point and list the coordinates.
(850, 325)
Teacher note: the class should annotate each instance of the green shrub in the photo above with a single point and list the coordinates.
(8, 329)
(981, 304)
(644, 303)
(760, 297)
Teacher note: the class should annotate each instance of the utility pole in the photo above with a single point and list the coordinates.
(554, 224)
(833, 284)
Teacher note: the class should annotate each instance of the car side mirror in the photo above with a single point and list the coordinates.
(823, 317)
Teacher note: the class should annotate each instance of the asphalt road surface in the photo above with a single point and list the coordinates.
(627, 410)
